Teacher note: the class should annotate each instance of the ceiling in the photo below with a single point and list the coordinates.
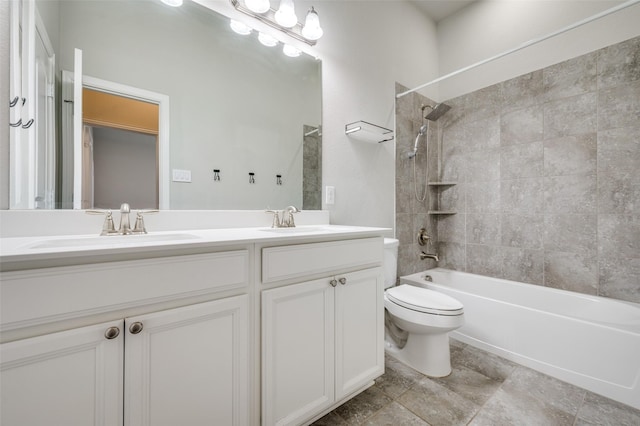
(440, 9)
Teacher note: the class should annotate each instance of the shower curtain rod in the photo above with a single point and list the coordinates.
(524, 45)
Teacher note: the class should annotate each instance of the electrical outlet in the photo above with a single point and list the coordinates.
(330, 195)
(181, 175)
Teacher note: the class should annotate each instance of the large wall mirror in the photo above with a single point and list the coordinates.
(235, 106)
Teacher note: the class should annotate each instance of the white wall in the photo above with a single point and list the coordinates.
(4, 112)
(488, 27)
(367, 47)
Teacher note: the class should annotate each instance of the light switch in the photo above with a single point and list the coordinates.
(330, 195)
(181, 175)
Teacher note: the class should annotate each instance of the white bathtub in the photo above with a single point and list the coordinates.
(589, 341)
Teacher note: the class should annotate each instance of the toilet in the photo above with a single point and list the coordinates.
(418, 321)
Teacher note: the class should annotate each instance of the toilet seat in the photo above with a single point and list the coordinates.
(424, 300)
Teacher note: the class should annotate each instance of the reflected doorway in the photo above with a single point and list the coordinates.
(120, 151)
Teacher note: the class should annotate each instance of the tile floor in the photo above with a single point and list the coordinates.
(483, 389)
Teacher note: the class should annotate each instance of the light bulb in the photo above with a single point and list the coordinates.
(267, 40)
(258, 6)
(240, 28)
(286, 14)
(291, 51)
(174, 3)
(312, 30)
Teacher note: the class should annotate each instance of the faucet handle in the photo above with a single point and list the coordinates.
(276, 219)
(139, 227)
(108, 228)
(289, 211)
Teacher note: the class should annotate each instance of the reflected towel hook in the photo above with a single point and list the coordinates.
(18, 124)
(27, 124)
(14, 102)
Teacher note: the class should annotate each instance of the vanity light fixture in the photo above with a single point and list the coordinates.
(286, 14)
(267, 40)
(258, 6)
(240, 28)
(284, 19)
(312, 29)
(173, 3)
(291, 51)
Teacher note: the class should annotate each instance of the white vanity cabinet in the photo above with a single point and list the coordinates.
(71, 378)
(154, 365)
(322, 338)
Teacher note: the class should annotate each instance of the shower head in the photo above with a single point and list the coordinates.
(437, 111)
(423, 129)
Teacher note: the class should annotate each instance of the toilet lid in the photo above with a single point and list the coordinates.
(424, 300)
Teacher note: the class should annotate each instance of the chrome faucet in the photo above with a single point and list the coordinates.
(125, 226)
(108, 228)
(433, 256)
(424, 239)
(284, 219)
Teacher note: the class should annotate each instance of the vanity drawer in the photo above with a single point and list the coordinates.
(304, 260)
(52, 294)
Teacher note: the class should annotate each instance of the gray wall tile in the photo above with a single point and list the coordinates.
(522, 126)
(570, 116)
(571, 271)
(523, 265)
(619, 106)
(572, 233)
(570, 155)
(570, 194)
(483, 229)
(547, 169)
(522, 196)
(521, 161)
(522, 231)
(619, 63)
(576, 76)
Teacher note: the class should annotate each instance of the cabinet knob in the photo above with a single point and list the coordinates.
(136, 328)
(333, 282)
(343, 281)
(112, 333)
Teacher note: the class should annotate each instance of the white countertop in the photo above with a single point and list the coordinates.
(44, 251)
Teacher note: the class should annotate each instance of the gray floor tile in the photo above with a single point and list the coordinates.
(358, 409)
(438, 405)
(331, 419)
(397, 378)
(519, 409)
(599, 410)
(561, 395)
(470, 384)
(485, 363)
(395, 414)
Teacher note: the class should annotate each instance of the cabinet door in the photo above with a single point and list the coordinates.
(297, 351)
(71, 378)
(359, 330)
(188, 366)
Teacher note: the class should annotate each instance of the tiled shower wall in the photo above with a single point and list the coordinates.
(411, 214)
(547, 167)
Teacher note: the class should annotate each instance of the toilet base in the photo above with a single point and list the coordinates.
(426, 353)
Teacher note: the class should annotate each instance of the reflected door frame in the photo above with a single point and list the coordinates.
(120, 90)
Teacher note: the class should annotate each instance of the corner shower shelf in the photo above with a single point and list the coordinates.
(368, 132)
(441, 186)
(442, 183)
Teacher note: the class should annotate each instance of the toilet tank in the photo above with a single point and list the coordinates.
(390, 264)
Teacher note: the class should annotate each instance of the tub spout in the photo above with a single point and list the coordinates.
(433, 256)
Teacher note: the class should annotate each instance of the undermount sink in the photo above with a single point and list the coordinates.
(111, 240)
(295, 230)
